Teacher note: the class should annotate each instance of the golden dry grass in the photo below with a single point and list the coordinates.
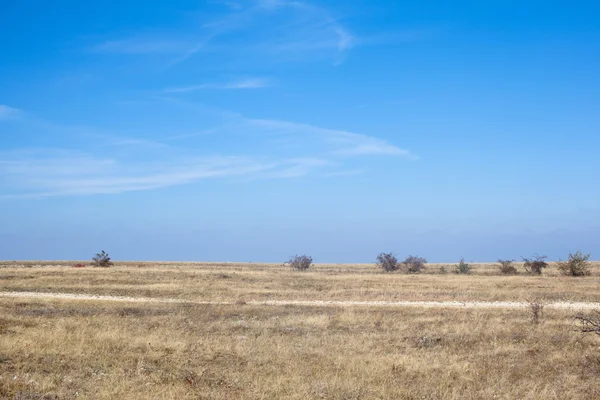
(231, 282)
(112, 350)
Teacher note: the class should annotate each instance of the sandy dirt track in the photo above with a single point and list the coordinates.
(343, 303)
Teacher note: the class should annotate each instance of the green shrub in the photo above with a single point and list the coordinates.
(462, 267)
(101, 260)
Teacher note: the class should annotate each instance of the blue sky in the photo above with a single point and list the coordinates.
(255, 130)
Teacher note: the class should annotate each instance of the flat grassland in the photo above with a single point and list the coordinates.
(63, 349)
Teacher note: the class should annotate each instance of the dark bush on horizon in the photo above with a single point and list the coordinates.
(414, 264)
(387, 262)
(300, 263)
(576, 265)
(507, 267)
(101, 260)
(535, 265)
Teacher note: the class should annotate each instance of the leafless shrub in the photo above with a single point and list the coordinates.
(443, 270)
(387, 261)
(536, 308)
(101, 260)
(414, 264)
(535, 265)
(300, 263)
(576, 265)
(462, 267)
(589, 323)
(507, 267)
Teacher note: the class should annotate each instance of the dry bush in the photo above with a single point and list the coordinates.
(300, 263)
(535, 265)
(101, 260)
(536, 308)
(577, 264)
(507, 267)
(387, 261)
(589, 323)
(414, 264)
(462, 267)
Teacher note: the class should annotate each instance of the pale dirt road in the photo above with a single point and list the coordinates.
(331, 303)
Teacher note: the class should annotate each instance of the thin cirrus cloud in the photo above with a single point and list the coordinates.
(340, 142)
(63, 173)
(255, 83)
(277, 29)
(269, 149)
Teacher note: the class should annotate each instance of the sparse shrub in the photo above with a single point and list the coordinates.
(536, 307)
(414, 264)
(443, 270)
(101, 260)
(507, 267)
(387, 261)
(463, 267)
(300, 263)
(589, 323)
(79, 265)
(535, 265)
(577, 265)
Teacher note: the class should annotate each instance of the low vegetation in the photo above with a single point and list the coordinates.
(414, 264)
(536, 308)
(112, 350)
(101, 260)
(589, 322)
(577, 265)
(462, 267)
(300, 263)
(535, 265)
(507, 267)
(387, 262)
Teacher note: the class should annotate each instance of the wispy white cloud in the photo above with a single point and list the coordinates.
(63, 173)
(237, 147)
(254, 83)
(280, 29)
(343, 143)
(7, 112)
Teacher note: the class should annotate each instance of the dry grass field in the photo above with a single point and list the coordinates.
(63, 349)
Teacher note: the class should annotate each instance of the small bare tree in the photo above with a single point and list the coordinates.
(101, 260)
(300, 263)
(507, 267)
(535, 265)
(577, 265)
(387, 261)
(414, 264)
